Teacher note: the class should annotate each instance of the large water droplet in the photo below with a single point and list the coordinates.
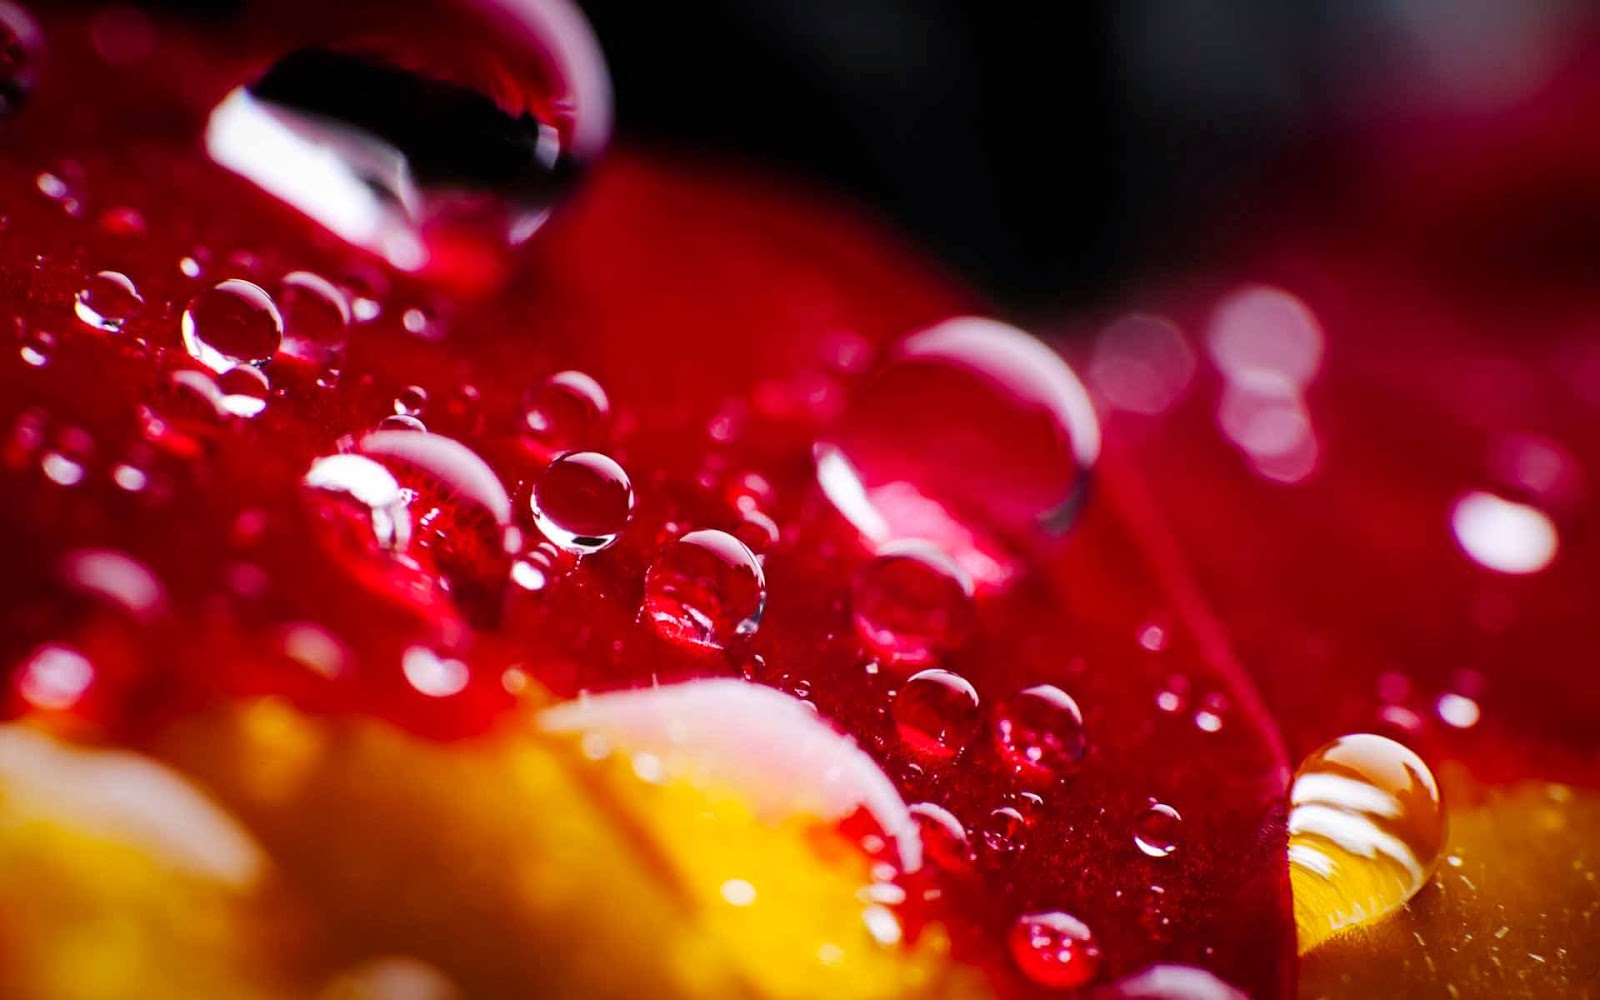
(316, 317)
(972, 435)
(944, 840)
(705, 588)
(1158, 830)
(433, 134)
(230, 324)
(912, 602)
(1366, 829)
(21, 51)
(355, 486)
(582, 501)
(936, 713)
(107, 301)
(566, 411)
(1054, 949)
(1040, 733)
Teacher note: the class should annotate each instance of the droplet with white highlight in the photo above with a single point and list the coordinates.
(1503, 535)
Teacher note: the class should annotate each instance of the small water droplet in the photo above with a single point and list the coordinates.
(38, 347)
(1458, 710)
(1210, 716)
(911, 602)
(936, 713)
(401, 422)
(1503, 535)
(1366, 830)
(568, 410)
(434, 675)
(1040, 733)
(1003, 833)
(411, 401)
(244, 391)
(1156, 832)
(705, 588)
(54, 677)
(230, 324)
(582, 501)
(189, 267)
(66, 461)
(21, 52)
(316, 317)
(107, 301)
(361, 489)
(757, 531)
(944, 840)
(1055, 950)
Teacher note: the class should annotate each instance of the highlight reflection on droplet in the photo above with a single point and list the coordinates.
(1366, 830)
(1503, 535)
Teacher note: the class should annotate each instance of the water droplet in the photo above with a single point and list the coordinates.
(434, 161)
(107, 301)
(66, 461)
(1366, 829)
(1503, 535)
(566, 411)
(972, 435)
(54, 678)
(38, 347)
(757, 531)
(244, 391)
(401, 422)
(1003, 833)
(1259, 330)
(1142, 364)
(411, 401)
(911, 602)
(434, 675)
(1209, 717)
(936, 713)
(582, 501)
(316, 318)
(1175, 982)
(944, 840)
(1055, 950)
(1040, 733)
(230, 324)
(1157, 831)
(21, 51)
(361, 489)
(705, 588)
(1458, 710)
(123, 222)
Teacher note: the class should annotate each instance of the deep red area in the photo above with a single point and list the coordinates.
(728, 320)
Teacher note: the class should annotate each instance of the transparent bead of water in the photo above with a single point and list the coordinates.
(706, 588)
(1158, 831)
(316, 317)
(1055, 950)
(911, 602)
(107, 301)
(232, 323)
(1366, 831)
(582, 501)
(244, 391)
(358, 487)
(936, 713)
(568, 410)
(1039, 732)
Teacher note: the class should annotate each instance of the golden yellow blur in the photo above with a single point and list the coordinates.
(515, 865)
(1366, 828)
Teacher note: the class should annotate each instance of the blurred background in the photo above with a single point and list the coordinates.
(1056, 152)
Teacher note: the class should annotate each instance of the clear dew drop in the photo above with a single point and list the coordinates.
(582, 501)
(401, 422)
(1366, 831)
(944, 839)
(232, 323)
(1039, 732)
(411, 401)
(1003, 832)
(354, 488)
(911, 602)
(21, 53)
(936, 713)
(244, 391)
(1055, 950)
(973, 435)
(316, 318)
(567, 411)
(107, 301)
(705, 588)
(1158, 831)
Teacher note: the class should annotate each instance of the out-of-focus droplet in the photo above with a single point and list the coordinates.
(944, 840)
(365, 490)
(21, 52)
(972, 435)
(1366, 829)
(936, 713)
(391, 978)
(1141, 364)
(435, 136)
(107, 301)
(1158, 831)
(1263, 330)
(244, 391)
(911, 602)
(38, 347)
(316, 317)
(757, 531)
(1503, 535)
(1054, 950)
(53, 678)
(1039, 732)
(1003, 833)
(705, 588)
(1458, 710)
(401, 422)
(432, 674)
(230, 324)
(1174, 982)
(582, 501)
(411, 401)
(566, 411)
